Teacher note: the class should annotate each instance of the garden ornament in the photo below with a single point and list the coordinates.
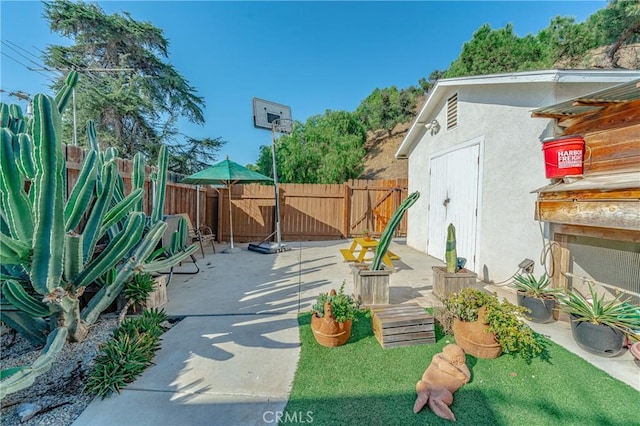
(445, 375)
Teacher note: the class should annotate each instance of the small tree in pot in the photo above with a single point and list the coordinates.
(537, 295)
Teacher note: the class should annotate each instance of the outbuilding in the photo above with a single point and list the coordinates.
(474, 153)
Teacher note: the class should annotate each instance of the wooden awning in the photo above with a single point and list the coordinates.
(608, 201)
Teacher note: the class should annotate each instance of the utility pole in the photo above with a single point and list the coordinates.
(23, 96)
(73, 92)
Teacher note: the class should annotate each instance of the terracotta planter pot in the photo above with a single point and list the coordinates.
(541, 309)
(473, 338)
(330, 333)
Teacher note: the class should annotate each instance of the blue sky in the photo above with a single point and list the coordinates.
(311, 56)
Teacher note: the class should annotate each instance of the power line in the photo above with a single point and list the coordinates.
(48, 77)
(15, 48)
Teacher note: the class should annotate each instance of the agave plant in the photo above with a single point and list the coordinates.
(616, 313)
(535, 287)
(48, 240)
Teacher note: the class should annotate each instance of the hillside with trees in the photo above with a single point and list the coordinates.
(609, 38)
(130, 87)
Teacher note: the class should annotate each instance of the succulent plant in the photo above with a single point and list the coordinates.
(390, 229)
(48, 241)
(451, 254)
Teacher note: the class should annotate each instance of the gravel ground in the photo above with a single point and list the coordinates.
(58, 392)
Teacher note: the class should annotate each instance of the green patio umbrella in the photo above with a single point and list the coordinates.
(226, 172)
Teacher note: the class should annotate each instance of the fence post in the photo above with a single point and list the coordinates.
(346, 211)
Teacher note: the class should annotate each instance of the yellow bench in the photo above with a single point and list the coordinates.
(348, 256)
(392, 255)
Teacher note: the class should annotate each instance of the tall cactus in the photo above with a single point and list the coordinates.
(48, 242)
(451, 255)
(390, 230)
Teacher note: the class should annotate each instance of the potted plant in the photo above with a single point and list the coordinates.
(454, 277)
(537, 295)
(366, 235)
(485, 327)
(332, 316)
(371, 281)
(600, 327)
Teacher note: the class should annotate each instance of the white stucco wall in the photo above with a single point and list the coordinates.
(512, 166)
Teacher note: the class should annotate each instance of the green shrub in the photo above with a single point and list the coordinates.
(128, 354)
(343, 306)
(503, 318)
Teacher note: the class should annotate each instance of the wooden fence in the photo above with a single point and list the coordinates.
(307, 211)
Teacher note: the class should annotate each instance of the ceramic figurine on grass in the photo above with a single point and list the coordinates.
(447, 373)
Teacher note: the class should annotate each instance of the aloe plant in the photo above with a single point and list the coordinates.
(535, 287)
(48, 241)
(390, 229)
(616, 313)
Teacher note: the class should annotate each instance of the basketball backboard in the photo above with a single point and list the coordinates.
(266, 112)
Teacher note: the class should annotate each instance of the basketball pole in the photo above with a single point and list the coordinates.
(275, 180)
(277, 118)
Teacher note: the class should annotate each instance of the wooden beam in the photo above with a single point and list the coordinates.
(596, 102)
(561, 258)
(609, 214)
(598, 232)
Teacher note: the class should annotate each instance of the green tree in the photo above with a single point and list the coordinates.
(426, 84)
(564, 39)
(620, 24)
(327, 148)
(129, 86)
(497, 51)
(194, 154)
(385, 108)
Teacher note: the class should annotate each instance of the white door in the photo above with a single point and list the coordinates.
(453, 198)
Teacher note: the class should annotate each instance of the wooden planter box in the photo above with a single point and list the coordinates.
(445, 283)
(157, 298)
(370, 287)
(402, 325)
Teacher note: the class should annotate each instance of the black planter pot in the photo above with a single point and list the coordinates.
(597, 339)
(541, 309)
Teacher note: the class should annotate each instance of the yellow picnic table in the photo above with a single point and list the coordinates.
(359, 248)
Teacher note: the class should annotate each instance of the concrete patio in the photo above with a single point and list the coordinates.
(233, 356)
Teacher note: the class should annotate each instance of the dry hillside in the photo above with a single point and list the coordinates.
(380, 160)
(627, 57)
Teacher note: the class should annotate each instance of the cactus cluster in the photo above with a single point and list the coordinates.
(49, 241)
(390, 230)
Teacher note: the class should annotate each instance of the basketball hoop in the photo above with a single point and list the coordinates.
(277, 118)
(282, 125)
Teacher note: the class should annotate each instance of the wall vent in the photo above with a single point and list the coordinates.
(452, 111)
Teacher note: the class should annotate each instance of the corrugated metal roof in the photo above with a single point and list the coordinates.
(592, 102)
(627, 180)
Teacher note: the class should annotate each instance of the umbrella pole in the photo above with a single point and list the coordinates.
(198, 207)
(230, 218)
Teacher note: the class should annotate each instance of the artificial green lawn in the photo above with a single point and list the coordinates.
(362, 384)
